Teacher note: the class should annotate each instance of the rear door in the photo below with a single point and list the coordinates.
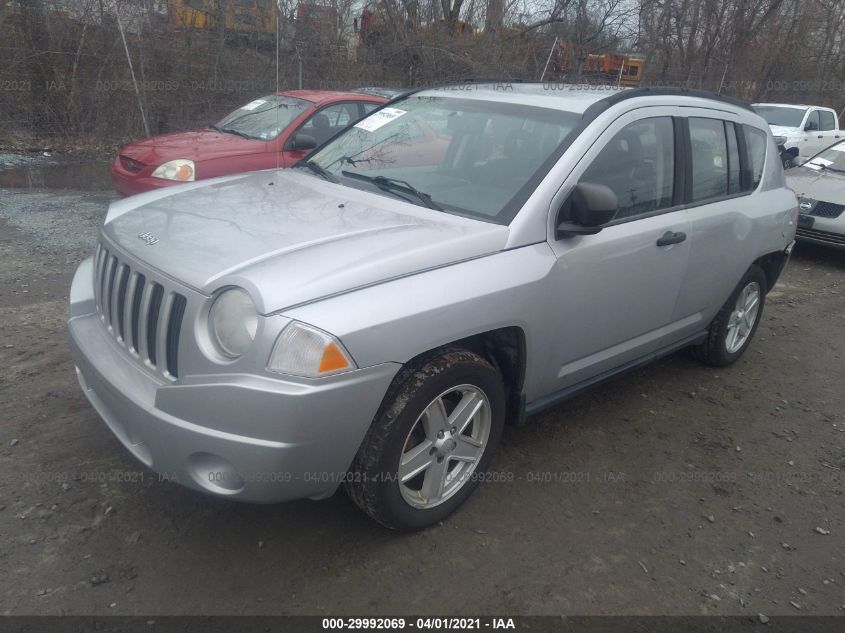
(727, 161)
(813, 134)
(615, 292)
(828, 132)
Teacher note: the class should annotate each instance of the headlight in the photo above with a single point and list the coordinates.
(232, 322)
(180, 169)
(302, 350)
(780, 140)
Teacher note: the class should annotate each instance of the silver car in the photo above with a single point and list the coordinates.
(458, 260)
(820, 185)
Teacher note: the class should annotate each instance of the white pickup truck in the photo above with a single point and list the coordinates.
(800, 131)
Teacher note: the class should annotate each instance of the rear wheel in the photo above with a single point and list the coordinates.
(734, 326)
(434, 435)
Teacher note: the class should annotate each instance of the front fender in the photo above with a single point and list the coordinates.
(400, 319)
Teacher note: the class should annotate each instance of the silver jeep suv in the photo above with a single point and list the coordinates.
(460, 258)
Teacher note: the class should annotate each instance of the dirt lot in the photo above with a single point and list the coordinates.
(675, 489)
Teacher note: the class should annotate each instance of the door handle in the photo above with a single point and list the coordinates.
(670, 237)
(820, 136)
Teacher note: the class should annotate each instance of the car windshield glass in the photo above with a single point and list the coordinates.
(263, 118)
(833, 158)
(463, 156)
(780, 115)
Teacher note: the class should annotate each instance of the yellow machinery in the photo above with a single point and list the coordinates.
(242, 16)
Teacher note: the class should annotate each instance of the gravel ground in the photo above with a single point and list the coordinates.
(675, 489)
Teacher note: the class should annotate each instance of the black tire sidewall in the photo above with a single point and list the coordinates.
(395, 511)
(722, 355)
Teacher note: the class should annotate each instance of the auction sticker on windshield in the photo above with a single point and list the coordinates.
(380, 118)
(254, 104)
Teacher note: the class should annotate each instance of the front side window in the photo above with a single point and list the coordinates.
(263, 118)
(331, 120)
(784, 116)
(638, 164)
(827, 121)
(813, 122)
(755, 143)
(465, 156)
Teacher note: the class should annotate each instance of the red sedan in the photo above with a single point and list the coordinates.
(273, 131)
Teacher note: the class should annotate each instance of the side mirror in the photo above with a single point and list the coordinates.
(303, 141)
(586, 210)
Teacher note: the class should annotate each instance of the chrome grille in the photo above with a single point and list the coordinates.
(140, 313)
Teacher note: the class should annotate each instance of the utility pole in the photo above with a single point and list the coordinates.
(132, 72)
(549, 58)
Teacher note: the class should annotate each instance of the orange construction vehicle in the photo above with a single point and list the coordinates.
(623, 69)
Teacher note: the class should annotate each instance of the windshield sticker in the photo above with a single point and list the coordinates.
(380, 118)
(838, 148)
(254, 104)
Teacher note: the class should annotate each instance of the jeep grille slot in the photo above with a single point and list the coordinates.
(174, 326)
(144, 316)
(152, 322)
(135, 313)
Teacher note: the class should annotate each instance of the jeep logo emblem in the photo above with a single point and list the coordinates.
(149, 238)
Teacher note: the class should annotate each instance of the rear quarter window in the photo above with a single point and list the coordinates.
(755, 143)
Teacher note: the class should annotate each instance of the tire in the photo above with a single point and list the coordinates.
(720, 348)
(406, 426)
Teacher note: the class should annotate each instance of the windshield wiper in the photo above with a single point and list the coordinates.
(227, 130)
(394, 185)
(317, 169)
(829, 168)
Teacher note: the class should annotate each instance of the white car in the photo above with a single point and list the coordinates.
(820, 186)
(800, 130)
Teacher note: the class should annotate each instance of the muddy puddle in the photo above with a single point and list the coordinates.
(86, 176)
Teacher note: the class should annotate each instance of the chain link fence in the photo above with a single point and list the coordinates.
(92, 74)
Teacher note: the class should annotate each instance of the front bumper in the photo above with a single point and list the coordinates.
(819, 230)
(303, 434)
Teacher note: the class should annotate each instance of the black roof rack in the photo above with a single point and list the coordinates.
(658, 91)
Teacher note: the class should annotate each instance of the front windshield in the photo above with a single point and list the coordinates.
(263, 118)
(780, 115)
(833, 158)
(464, 156)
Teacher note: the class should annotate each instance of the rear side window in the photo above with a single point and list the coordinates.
(755, 143)
(638, 164)
(710, 158)
(827, 120)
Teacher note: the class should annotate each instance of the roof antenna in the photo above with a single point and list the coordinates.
(278, 132)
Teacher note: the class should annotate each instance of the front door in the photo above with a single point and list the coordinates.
(615, 292)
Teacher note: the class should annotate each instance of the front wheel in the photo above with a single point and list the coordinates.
(431, 440)
(734, 326)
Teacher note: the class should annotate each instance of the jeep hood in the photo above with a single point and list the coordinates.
(289, 237)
